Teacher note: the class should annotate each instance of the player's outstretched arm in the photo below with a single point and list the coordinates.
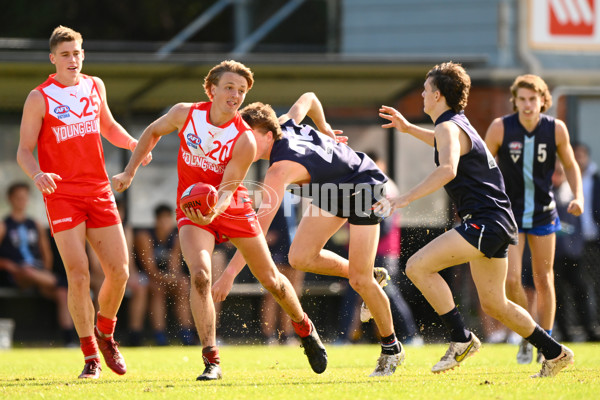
(449, 147)
(398, 121)
(164, 125)
(309, 105)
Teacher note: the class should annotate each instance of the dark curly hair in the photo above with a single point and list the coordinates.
(453, 82)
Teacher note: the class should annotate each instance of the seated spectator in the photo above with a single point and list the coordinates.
(26, 257)
(159, 255)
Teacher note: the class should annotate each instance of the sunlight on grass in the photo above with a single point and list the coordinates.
(252, 372)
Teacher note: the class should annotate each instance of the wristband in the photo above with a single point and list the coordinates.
(38, 174)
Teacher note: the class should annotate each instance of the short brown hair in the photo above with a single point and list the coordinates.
(17, 186)
(453, 82)
(535, 83)
(261, 117)
(63, 34)
(213, 76)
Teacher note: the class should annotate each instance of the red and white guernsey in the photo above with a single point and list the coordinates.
(206, 149)
(69, 143)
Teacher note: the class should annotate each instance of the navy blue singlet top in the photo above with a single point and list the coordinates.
(325, 160)
(526, 160)
(478, 188)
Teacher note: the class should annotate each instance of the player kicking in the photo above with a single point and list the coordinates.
(64, 117)
(468, 172)
(344, 185)
(217, 147)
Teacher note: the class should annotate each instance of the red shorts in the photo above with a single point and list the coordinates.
(235, 222)
(65, 212)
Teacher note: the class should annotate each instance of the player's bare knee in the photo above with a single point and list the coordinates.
(297, 259)
(412, 270)
(272, 284)
(513, 283)
(79, 279)
(493, 308)
(201, 280)
(361, 283)
(117, 275)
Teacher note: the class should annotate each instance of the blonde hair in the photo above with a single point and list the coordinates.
(63, 34)
(261, 117)
(213, 76)
(532, 82)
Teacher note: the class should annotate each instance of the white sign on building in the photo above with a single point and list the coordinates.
(564, 24)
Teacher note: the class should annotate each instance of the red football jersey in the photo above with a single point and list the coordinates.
(206, 149)
(69, 143)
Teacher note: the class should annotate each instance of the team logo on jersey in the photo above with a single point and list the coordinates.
(193, 140)
(515, 149)
(62, 111)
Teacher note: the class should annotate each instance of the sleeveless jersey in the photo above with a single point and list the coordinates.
(21, 243)
(325, 160)
(205, 149)
(526, 160)
(162, 250)
(478, 188)
(69, 143)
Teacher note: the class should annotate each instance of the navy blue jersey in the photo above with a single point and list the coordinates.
(325, 160)
(478, 188)
(162, 249)
(21, 243)
(526, 160)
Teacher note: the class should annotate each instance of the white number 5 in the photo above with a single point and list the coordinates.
(542, 153)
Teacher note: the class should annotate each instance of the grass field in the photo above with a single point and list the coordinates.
(260, 372)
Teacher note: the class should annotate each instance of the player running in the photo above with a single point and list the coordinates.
(217, 147)
(64, 117)
(343, 185)
(468, 172)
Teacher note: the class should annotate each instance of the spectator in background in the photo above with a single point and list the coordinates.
(388, 257)
(159, 254)
(590, 232)
(276, 327)
(137, 286)
(26, 255)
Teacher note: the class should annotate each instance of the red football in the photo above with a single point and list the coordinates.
(200, 196)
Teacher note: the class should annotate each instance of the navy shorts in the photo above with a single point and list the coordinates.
(347, 200)
(486, 237)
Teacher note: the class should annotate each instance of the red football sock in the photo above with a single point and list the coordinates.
(304, 327)
(210, 354)
(106, 326)
(89, 347)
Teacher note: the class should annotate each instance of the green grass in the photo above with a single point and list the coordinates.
(259, 372)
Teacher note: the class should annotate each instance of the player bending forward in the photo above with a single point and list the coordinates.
(344, 185)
